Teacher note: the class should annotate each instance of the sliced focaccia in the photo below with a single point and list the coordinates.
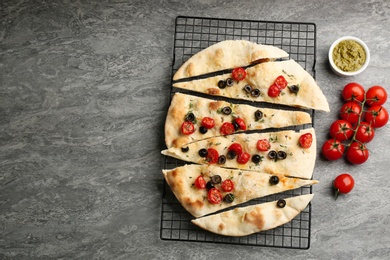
(227, 55)
(192, 118)
(204, 189)
(251, 219)
(288, 153)
(278, 82)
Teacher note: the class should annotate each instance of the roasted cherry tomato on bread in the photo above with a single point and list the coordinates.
(227, 185)
(214, 196)
(357, 153)
(208, 122)
(273, 91)
(212, 156)
(236, 147)
(306, 140)
(200, 182)
(377, 116)
(343, 183)
(187, 128)
(243, 158)
(227, 128)
(333, 149)
(241, 123)
(341, 130)
(364, 132)
(263, 145)
(353, 92)
(239, 74)
(281, 82)
(351, 112)
(376, 96)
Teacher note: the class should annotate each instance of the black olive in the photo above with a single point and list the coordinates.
(185, 149)
(258, 115)
(202, 130)
(236, 126)
(222, 159)
(281, 203)
(203, 152)
(222, 84)
(272, 154)
(273, 180)
(209, 185)
(294, 88)
(248, 89)
(227, 110)
(255, 92)
(216, 179)
(231, 155)
(229, 198)
(256, 158)
(229, 82)
(190, 117)
(282, 155)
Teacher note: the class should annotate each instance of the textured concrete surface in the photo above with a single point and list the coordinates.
(83, 96)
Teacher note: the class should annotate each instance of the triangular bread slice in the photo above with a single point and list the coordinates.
(299, 161)
(182, 105)
(248, 185)
(252, 219)
(227, 55)
(261, 77)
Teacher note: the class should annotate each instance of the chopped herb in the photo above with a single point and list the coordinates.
(284, 146)
(217, 144)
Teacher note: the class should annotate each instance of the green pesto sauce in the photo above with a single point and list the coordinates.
(349, 55)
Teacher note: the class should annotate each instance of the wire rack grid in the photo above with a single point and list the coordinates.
(192, 34)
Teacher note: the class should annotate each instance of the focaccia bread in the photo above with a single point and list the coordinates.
(227, 55)
(251, 219)
(208, 116)
(301, 91)
(246, 185)
(283, 154)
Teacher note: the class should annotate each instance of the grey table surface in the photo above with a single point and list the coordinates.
(83, 98)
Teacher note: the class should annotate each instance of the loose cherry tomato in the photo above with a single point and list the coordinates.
(377, 116)
(241, 123)
(376, 96)
(200, 182)
(357, 153)
(364, 132)
(243, 158)
(187, 128)
(306, 140)
(212, 156)
(281, 82)
(208, 122)
(239, 74)
(351, 112)
(236, 147)
(353, 92)
(263, 145)
(227, 185)
(214, 196)
(333, 149)
(227, 128)
(343, 183)
(341, 130)
(273, 90)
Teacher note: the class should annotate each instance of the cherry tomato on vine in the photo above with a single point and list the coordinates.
(306, 140)
(377, 116)
(357, 153)
(214, 196)
(200, 182)
(376, 95)
(343, 183)
(333, 149)
(351, 112)
(364, 132)
(341, 130)
(239, 74)
(353, 92)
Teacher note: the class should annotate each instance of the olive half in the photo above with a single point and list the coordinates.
(247, 89)
(226, 110)
(272, 154)
(273, 180)
(229, 82)
(294, 88)
(258, 115)
(222, 84)
(190, 117)
(282, 155)
(222, 159)
(216, 179)
(255, 92)
(203, 130)
(229, 198)
(281, 203)
(185, 149)
(256, 158)
(203, 152)
(231, 154)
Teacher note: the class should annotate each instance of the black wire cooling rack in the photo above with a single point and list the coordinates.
(193, 34)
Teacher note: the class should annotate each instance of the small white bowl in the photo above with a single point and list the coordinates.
(336, 69)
